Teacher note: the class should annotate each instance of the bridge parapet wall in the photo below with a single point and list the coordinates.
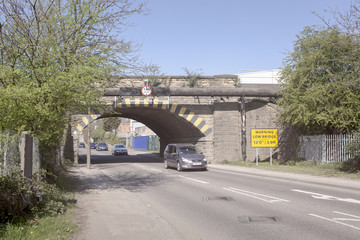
(179, 81)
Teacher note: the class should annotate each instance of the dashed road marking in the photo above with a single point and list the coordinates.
(262, 197)
(327, 197)
(340, 220)
(193, 179)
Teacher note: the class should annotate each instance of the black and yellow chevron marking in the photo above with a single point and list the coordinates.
(176, 109)
(94, 114)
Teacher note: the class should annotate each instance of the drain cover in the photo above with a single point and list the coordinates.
(205, 199)
(258, 219)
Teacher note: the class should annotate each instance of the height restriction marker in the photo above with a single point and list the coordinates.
(146, 90)
(264, 138)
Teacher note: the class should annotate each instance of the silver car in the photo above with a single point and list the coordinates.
(119, 149)
(184, 156)
(102, 147)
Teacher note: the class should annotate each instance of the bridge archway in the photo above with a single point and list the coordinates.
(171, 122)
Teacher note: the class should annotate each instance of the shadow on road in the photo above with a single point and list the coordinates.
(125, 180)
(100, 178)
(138, 158)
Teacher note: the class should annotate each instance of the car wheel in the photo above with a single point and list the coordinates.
(166, 164)
(179, 168)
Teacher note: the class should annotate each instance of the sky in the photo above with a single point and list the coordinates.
(214, 37)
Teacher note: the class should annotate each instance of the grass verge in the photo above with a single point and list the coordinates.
(304, 167)
(48, 227)
(45, 224)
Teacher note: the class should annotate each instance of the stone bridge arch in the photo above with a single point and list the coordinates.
(173, 123)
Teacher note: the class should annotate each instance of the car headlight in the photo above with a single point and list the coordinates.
(204, 159)
(186, 160)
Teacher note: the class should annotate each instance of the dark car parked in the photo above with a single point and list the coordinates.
(184, 156)
(81, 145)
(92, 146)
(102, 147)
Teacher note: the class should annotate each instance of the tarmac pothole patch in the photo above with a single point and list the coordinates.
(258, 219)
(205, 199)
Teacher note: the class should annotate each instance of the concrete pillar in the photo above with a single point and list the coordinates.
(36, 161)
(76, 148)
(243, 128)
(26, 154)
(227, 144)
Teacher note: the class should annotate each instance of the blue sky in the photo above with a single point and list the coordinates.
(223, 36)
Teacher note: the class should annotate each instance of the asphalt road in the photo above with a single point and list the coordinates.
(134, 197)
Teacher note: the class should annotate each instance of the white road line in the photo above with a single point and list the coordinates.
(347, 219)
(258, 196)
(354, 217)
(153, 169)
(346, 214)
(193, 179)
(335, 221)
(327, 197)
(156, 170)
(139, 165)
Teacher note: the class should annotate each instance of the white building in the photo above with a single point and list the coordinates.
(259, 77)
(139, 129)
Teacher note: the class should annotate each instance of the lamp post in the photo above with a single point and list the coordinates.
(88, 156)
(126, 138)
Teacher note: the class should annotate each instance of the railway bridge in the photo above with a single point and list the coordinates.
(217, 116)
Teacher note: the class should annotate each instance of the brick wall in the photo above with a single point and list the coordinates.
(260, 114)
(227, 130)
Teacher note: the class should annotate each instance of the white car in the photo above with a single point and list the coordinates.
(119, 149)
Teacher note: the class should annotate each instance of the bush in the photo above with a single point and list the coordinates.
(353, 164)
(21, 197)
(15, 196)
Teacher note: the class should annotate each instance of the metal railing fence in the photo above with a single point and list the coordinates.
(326, 148)
(19, 152)
(9, 152)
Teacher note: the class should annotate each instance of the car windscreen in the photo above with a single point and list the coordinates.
(119, 146)
(188, 150)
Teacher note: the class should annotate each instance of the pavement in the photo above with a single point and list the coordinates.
(110, 213)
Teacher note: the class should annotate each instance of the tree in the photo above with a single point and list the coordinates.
(57, 57)
(320, 79)
(152, 73)
(103, 130)
(192, 77)
(111, 123)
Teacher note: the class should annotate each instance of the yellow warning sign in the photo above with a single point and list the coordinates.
(264, 138)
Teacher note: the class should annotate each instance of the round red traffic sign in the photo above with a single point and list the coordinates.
(146, 90)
